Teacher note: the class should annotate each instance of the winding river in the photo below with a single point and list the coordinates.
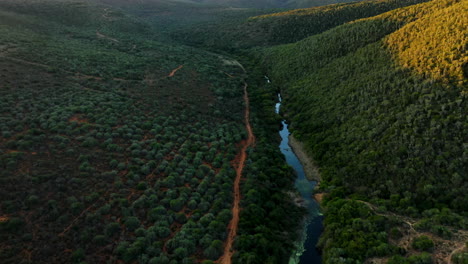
(306, 253)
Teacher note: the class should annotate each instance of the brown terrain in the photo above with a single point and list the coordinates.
(240, 160)
(175, 70)
(443, 250)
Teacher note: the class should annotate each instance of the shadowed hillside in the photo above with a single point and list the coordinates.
(284, 27)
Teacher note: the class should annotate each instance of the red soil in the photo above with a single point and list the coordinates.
(240, 160)
(175, 70)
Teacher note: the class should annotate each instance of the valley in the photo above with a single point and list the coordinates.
(143, 131)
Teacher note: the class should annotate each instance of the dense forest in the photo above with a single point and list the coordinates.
(283, 27)
(122, 124)
(381, 105)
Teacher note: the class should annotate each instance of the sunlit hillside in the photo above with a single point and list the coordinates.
(282, 27)
(381, 105)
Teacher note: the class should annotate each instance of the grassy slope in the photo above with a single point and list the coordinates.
(384, 121)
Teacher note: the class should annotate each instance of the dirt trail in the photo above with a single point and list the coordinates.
(444, 248)
(25, 61)
(232, 227)
(100, 35)
(106, 14)
(460, 248)
(75, 220)
(175, 70)
(74, 74)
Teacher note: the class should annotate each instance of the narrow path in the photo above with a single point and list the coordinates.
(232, 227)
(74, 74)
(175, 70)
(100, 35)
(25, 61)
(444, 248)
(106, 14)
(460, 248)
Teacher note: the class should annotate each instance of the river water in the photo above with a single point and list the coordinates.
(306, 253)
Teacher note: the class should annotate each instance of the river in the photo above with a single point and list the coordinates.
(306, 253)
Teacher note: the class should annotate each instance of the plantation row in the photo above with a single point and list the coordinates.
(104, 157)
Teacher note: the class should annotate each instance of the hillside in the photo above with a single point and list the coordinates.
(381, 105)
(282, 27)
(143, 131)
(258, 4)
(117, 145)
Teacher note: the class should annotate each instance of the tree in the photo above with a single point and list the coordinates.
(214, 251)
(423, 243)
(78, 255)
(112, 229)
(132, 223)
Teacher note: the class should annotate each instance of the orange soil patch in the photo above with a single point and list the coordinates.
(240, 159)
(4, 219)
(76, 118)
(175, 70)
(319, 197)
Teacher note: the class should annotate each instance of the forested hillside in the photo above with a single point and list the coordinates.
(123, 126)
(381, 105)
(284, 27)
(118, 146)
(258, 4)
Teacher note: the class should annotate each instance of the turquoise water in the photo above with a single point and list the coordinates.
(307, 253)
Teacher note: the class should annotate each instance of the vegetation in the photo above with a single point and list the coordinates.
(117, 144)
(284, 27)
(119, 131)
(103, 156)
(267, 188)
(423, 243)
(383, 122)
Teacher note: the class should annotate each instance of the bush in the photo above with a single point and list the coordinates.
(460, 258)
(423, 243)
(111, 229)
(78, 255)
(99, 240)
(132, 223)
(423, 258)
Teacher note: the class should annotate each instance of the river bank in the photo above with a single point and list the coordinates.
(312, 172)
(306, 251)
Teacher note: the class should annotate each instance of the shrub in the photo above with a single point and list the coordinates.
(78, 255)
(423, 243)
(111, 229)
(132, 223)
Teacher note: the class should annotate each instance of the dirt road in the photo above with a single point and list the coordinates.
(232, 227)
(174, 71)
